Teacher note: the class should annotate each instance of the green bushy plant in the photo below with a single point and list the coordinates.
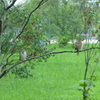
(64, 39)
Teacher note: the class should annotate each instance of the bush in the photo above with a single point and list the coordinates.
(98, 37)
(63, 40)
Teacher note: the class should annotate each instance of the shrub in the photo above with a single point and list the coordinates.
(63, 40)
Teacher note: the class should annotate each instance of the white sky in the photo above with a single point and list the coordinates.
(19, 1)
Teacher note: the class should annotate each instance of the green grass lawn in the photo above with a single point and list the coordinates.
(56, 79)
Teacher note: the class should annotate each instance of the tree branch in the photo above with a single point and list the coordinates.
(13, 2)
(41, 2)
(0, 27)
(3, 4)
(93, 73)
(6, 71)
(91, 53)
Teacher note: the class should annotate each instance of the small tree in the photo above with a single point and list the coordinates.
(90, 55)
(18, 31)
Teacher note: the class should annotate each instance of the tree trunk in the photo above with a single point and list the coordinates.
(85, 91)
(0, 42)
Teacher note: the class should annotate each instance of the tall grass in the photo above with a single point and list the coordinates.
(56, 79)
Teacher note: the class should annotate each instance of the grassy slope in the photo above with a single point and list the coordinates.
(56, 79)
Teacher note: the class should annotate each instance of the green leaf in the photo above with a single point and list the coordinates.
(84, 17)
(80, 89)
(83, 85)
(96, 31)
(93, 85)
(82, 81)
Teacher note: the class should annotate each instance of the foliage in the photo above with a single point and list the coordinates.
(32, 36)
(22, 30)
(22, 72)
(98, 36)
(64, 39)
(89, 14)
(33, 39)
(27, 30)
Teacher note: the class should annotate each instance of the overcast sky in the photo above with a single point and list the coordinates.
(19, 1)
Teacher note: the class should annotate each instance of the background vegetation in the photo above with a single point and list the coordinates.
(31, 26)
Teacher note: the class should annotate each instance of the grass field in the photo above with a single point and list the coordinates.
(56, 79)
